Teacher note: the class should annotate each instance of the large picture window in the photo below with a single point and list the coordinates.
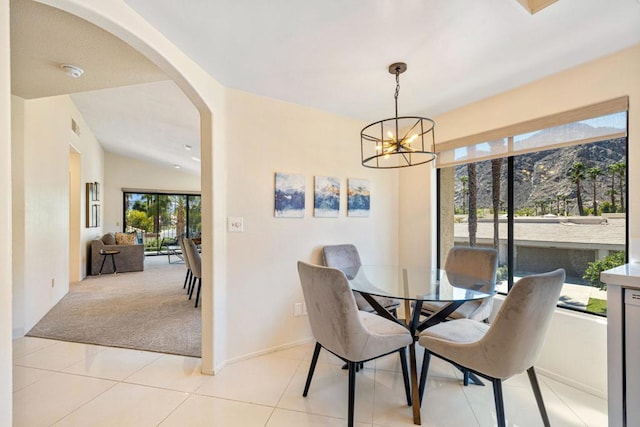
(550, 198)
(159, 218)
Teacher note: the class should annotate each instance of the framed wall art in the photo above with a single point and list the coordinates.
(326, 200)
(358, 198)
(92, 212)
(289, 195)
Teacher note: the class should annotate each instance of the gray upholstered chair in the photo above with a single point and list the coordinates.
(195, 262)
(346, 255)
(189, 276)
(508, 347)
(353, 335)
(465, 267)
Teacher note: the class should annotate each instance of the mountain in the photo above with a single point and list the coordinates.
(542, 176)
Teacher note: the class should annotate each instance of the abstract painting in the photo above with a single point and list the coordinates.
(359, 197)
(289, 196)
(326, 202)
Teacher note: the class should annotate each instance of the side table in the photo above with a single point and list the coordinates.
(107, 253)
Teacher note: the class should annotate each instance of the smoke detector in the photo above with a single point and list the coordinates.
(72, 70)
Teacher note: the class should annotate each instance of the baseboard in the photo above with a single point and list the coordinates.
(571, 383)
(227, 362)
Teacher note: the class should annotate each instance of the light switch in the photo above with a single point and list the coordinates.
(235, 224)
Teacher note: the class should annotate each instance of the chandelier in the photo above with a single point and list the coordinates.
(400, 141)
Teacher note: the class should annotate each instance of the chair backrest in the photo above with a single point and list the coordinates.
(465, 266)
(195, 262)
(514, 341)
(185, 255)
(341, 256)
(333, 314)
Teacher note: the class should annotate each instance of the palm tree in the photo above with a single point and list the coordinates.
(496, 172)
(565, 204)
(473, 196)
(622, 171)
(543, 207)
(594, 173)
(465, 192)
(613, 170)
(576, 173)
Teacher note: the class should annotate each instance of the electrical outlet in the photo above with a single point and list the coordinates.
(304, 309)
(297, 309)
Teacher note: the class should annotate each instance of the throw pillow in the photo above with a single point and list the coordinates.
(126, 239)
(109, 239)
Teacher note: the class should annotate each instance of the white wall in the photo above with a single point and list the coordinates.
(123, 172)
(42, 134)
(576, 345)
(268, 136)
(91, 170)
(6, 382)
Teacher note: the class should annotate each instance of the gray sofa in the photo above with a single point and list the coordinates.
(130, 258)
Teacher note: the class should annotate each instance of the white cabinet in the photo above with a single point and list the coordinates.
(632, 354)
(623, 344)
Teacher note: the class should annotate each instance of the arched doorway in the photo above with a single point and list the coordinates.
(203, 91)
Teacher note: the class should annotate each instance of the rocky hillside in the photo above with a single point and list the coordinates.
(543, 177)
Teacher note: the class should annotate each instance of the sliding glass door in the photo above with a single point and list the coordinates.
(158, 218)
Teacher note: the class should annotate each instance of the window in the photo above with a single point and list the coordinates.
(159, 218)
(555, 197)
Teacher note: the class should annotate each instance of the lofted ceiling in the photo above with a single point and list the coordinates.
(330, 55)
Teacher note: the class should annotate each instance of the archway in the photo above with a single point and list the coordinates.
(205, 93)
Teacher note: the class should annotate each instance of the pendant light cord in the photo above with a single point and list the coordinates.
(398, 146)
(397, 89)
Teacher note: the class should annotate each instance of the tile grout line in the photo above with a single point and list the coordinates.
(562, 400)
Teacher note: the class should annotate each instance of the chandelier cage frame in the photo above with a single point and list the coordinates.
(380, 149)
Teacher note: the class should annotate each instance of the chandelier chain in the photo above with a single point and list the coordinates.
(395, 96)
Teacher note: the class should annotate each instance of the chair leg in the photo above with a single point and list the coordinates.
(465, 377)
(352, 392)
(405, 374)
(423, 374)
(314, 360)
(198, 293)
(533, 379)
(192, 285)
(497, 397)
(186, 279)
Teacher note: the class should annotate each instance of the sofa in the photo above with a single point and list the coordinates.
(130, 258)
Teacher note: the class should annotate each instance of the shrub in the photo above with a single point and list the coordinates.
(592, 273)
(503, 273)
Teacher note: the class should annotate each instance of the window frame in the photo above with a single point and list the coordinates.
(608, 107)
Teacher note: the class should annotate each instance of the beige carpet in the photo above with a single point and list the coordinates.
(145, 310)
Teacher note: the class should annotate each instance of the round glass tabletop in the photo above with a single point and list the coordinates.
(416, 283)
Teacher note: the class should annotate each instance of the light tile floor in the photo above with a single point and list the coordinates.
(69, 384)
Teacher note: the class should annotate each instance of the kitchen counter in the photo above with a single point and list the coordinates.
(623, 290)
(627, 276)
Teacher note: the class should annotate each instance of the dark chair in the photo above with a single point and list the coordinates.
(508, 347)
(338, 326)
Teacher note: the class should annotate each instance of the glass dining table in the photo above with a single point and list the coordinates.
(414, 286)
